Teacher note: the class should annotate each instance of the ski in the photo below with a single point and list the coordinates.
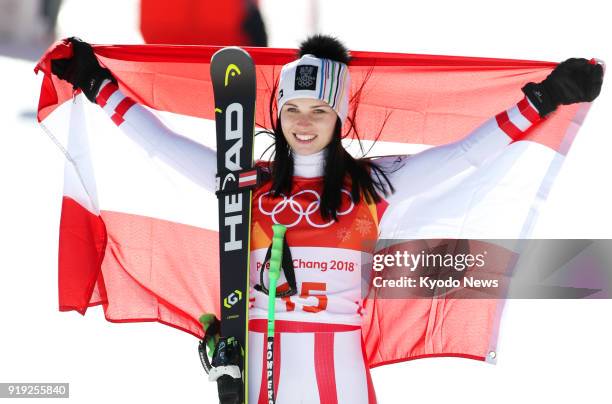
(233, 77)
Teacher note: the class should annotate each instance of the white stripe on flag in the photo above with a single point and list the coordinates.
(133, 172)
(249, 178)
(490, 201)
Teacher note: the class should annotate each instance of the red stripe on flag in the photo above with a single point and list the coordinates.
(409, 123)
(528, 111)
(507, 126)
(247, 183)
(115, 270)
(105, 94)
(371, 391)
(82, 242)
(247, 173)
(121, 109)
(324, 367)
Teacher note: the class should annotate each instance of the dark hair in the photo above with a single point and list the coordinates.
(340, 168)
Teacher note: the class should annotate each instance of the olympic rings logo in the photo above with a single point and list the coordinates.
(296, 208)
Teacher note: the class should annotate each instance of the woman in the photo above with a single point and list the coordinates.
(330, 203)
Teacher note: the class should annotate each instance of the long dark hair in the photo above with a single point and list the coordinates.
(340, 170)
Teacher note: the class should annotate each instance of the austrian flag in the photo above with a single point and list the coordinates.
(138, 230)
(247, 178)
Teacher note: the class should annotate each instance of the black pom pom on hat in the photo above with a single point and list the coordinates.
(325, 47)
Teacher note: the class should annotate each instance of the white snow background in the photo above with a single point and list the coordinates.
(549, 350)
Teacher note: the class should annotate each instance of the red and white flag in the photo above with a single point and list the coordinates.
(138, 231)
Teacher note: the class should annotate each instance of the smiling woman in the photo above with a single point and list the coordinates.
(313, 104)
(308, 125)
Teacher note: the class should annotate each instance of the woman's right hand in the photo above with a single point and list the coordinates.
(82, 70)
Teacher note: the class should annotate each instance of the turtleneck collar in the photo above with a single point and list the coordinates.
(309, 166)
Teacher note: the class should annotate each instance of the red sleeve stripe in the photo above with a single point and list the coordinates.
(528, 111)
(518, 119)
(105, 93)
(121, 109)
(507, 126)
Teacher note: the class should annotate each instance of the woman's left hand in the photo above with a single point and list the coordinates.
(574, 80)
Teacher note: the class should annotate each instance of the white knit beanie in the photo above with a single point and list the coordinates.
(311, 77)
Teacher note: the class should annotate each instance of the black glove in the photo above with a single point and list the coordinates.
(82, 70)
(575, 80)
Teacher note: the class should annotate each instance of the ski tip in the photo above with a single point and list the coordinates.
(229, 49)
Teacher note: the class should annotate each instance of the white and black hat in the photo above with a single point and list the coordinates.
(316, 77)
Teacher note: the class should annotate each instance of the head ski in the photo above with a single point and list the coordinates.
(233, 77)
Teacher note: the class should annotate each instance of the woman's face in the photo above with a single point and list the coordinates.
(308, 124)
